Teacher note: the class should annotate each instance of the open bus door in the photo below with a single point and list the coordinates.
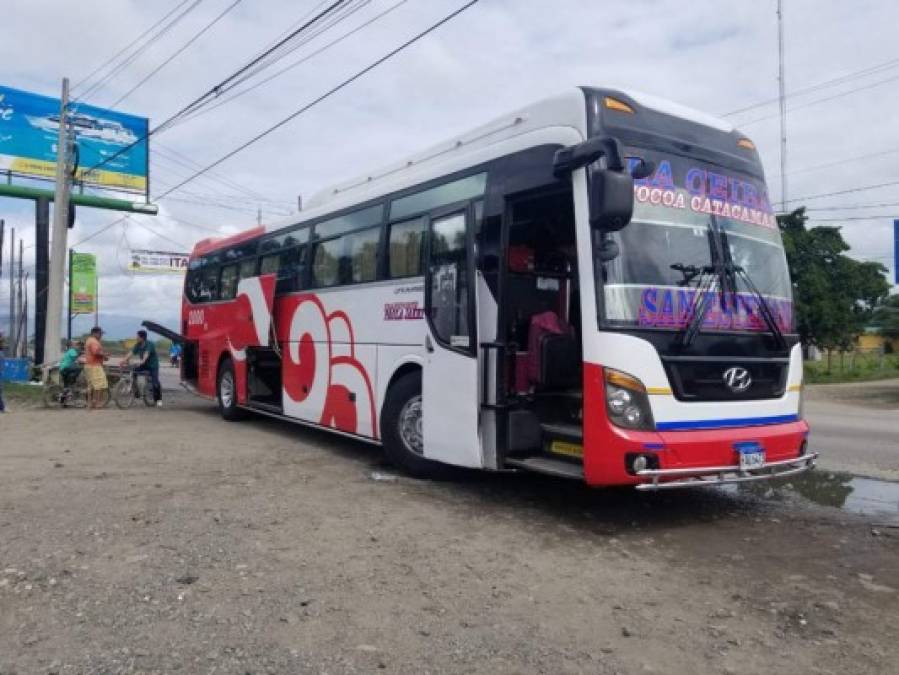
(450, 392)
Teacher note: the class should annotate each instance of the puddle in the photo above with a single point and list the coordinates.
(863, 496)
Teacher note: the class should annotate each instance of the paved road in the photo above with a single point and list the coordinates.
(856, 427)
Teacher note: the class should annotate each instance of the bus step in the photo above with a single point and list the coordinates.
(265, 407)
(547, 465)
(563, 431)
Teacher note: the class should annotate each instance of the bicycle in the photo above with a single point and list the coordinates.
(133, 385)
(59, 394)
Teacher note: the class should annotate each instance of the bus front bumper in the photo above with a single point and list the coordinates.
(664, 479)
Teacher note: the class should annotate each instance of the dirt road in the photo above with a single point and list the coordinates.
(163, 540)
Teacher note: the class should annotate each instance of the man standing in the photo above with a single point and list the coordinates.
(144, 351)
(94, 358)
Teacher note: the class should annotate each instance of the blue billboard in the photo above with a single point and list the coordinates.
(29, 127)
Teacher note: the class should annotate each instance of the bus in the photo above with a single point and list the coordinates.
(593, 287)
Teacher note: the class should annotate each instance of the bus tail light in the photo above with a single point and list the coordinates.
(627, 402)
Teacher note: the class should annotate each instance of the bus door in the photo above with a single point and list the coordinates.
(450, 392)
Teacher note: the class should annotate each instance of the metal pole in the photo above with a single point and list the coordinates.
(23, 352)
(69, 305)
(60, 232)
(11, 335)
(2, 232)
(41, 263)
(782, 96)
(19, 306)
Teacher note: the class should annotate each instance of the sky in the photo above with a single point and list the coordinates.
(715, 56)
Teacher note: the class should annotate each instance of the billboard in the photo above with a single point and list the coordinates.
(29, 128)
(83, 280)
(156, 262)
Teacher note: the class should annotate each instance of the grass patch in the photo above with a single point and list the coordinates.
(852, 368)
(28, 394)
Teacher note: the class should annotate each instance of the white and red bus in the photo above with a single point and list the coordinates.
(593, 287)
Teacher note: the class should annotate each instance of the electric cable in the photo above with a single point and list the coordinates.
(176, 54)
(323, 97)
(97, 86)
(128, 46)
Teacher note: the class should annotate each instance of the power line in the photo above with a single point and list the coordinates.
(216, 90)
(862, 188)
(824, 100)
(841, 162)
(183, 161)
(853, 207)
(94, 88)
(870, 70)
(324, 96)
(302, 60)
(301, 110)
(177, 53)
(128, 46)
(341, 14)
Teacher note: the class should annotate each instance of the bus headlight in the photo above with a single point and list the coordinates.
(627, 402)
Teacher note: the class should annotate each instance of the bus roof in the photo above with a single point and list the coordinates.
(564, 110)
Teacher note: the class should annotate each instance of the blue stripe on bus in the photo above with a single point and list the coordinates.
(720, 424)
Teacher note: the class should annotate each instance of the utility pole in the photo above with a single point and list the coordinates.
(2, 232)
(782, 97)
(60, 231)
(69, 306)
(19, 306)
(41, 263)
(10, 336)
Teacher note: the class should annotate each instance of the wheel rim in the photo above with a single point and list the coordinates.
(226, 390)
(410, 426)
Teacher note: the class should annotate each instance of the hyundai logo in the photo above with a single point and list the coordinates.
(737, 379)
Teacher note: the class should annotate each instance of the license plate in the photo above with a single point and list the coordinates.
(569, 449)
(754, 459)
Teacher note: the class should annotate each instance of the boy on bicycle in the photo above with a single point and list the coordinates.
(144, 351)
(69, 365)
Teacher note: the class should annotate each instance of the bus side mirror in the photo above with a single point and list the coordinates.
(611, 200)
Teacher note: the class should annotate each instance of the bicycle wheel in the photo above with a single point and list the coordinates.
(52, 395)
(123, 394)
(78, 393)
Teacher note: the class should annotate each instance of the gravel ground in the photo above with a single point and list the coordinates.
(168, 540)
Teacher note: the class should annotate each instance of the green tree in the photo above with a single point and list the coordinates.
(834, 295)
(886, 317)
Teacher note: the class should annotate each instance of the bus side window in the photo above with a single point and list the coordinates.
(209, 284)
(229, 282)
(361, 256)
(406, 245)
(248, 268)
(326, 263)
(270, 264)
(449, 281)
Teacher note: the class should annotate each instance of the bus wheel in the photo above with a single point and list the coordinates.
(226, 390)
(401, 430)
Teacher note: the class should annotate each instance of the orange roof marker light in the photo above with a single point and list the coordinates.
(615, 104)
(746, 143)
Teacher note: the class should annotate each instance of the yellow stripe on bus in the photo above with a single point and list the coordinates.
(659, 391)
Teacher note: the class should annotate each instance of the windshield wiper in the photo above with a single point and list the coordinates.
(733, 271)
(708, 276)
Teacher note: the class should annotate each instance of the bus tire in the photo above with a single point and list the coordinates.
(226, 392)
(401, 430)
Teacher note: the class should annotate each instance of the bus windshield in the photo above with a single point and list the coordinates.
(652, 282)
